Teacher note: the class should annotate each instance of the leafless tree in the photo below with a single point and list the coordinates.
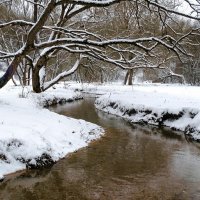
(54, 30)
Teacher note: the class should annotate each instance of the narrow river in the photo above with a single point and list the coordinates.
(128, 163)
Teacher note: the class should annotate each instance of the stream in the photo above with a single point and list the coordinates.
(129, 162)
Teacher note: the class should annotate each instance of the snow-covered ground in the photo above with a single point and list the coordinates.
(32, 136)
(175, 106)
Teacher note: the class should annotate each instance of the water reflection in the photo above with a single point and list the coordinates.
(127, 163)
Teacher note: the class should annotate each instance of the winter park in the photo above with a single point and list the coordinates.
(99, 99)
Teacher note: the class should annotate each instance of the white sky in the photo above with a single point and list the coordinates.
(185, 8)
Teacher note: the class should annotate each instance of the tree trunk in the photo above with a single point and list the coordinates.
(101, 76)
(35, 74)
(126, 77)
(130, 78)
(24, 78)
(13, 80)
(35, 11)
(36, 81)
(29, 75)
(10, 71)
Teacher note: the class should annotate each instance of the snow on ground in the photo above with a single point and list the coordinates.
(56, 95)
(96, 88)
(175, 106)
(33, 136)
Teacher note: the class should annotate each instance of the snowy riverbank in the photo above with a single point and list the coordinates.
(31, 136)
(175, 106)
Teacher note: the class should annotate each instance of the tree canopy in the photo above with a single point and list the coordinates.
(44, 34)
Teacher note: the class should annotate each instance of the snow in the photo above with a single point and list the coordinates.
(175, 106)
(54, 96)
(28, 131)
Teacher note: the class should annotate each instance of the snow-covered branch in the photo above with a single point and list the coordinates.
(63, 74)
(67, 27)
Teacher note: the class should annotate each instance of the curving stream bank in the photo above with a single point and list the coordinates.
(129, 162)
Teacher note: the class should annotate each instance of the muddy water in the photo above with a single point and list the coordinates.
(129, 162)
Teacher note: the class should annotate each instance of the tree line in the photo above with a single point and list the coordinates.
(45, 41)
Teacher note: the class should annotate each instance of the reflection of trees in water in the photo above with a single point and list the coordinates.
(127, 163)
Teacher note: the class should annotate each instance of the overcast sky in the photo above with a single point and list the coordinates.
(185, 6)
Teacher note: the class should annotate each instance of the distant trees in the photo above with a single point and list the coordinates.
(53, 38)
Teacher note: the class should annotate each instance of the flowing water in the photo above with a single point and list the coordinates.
(129, 162)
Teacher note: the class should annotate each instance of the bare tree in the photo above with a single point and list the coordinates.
(54, 30)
